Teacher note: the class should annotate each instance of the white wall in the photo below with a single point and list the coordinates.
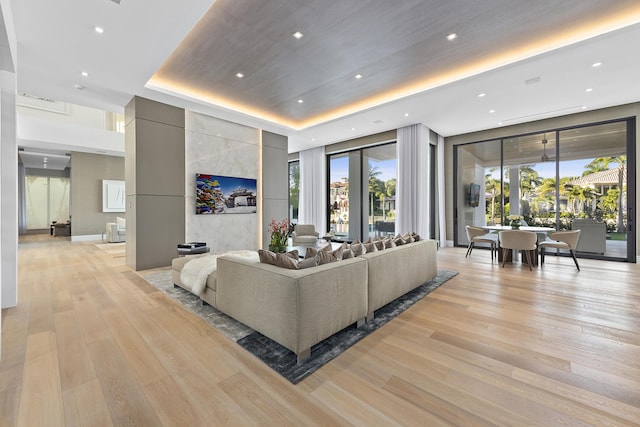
(218, 147)
(8, 164)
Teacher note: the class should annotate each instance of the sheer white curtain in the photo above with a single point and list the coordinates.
(412, 191)
(313, 189)
(442, 219)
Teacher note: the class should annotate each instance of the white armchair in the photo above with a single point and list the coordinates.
(304, 234)
(116, 231)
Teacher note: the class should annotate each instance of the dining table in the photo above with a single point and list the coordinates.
(542, 233)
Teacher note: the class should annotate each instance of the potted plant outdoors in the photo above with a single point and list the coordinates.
(279, 231)
(515, 221)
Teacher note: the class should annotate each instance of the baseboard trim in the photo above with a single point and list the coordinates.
(86, 237)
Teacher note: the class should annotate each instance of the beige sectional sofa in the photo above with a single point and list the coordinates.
(393, 272)
(295, 308)
(300, 308)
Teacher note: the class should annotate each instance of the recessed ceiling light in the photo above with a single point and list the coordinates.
(358, 76)
(84, 74)
(239, 75)
(300, 101)
(596, 64)
(353, 128)
(98, 30)
(298, 35)
(499, 123)
(588, 89)
(492, 111)
(313, 139)
(482, 95)
(44, 160)
(584, 107)
(452, 36)
(406, 114)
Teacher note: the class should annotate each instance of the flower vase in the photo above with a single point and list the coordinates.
(277, 248)
(515, 225)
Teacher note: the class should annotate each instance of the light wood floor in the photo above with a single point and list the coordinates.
(91, 343)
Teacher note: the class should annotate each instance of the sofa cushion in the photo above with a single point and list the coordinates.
(269, 257)
(285, 261)
(347, 253)
(389, 243)
(311, 252)
(327, 257)
(308, 262)
(370, 247)
(358, 249)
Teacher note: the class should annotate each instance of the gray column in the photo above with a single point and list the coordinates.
(155, 182)
(275, 181)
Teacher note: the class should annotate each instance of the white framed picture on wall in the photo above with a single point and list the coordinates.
(113, 196)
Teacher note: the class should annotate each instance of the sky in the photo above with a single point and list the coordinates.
(340, 169)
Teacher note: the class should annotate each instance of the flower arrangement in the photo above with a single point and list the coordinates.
(279, 231)
(515, 220)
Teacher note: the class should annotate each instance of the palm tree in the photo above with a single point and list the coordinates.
(492, 186)
(374, 186)
(602, 164)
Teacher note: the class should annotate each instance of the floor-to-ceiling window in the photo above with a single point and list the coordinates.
(563, 178)
(47, 200)
(294, 190)
(361, 196)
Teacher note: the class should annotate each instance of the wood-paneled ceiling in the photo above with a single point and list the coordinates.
(532, 59)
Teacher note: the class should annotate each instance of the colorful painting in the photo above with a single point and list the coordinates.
(225, 195)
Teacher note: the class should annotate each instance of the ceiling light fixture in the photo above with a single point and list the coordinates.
(492, 111)
(544, 149)
(589, 89)
(596, 64)
(239, 75)
(84, 74)
(482, 95)
(300, 101)
(98, 30)
(358, 76)
(406, 114)
(298, 35)
(452, 36)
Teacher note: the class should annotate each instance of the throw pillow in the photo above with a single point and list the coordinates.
(338, 253)
(311, 252)
(326, 257)
(370, 247)
(379, 244)
(347, 253)
(358, 249)
(308, 262)
(389, 243)
(285, 261)
(399, 241)
(355, 242)
(293, 254)
(407, 238)
(416, 237)
(267, 257)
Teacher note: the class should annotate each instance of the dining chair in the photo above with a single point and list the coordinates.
(480, 235)
(561, 240)
(525, 241)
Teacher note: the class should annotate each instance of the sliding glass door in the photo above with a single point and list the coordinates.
(574, 178)
(362, 189)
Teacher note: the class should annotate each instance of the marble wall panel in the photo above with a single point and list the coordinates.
(218, 147)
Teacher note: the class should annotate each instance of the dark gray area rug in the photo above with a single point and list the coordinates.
(277, 357)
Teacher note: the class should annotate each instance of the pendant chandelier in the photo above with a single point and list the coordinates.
(545, 158)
